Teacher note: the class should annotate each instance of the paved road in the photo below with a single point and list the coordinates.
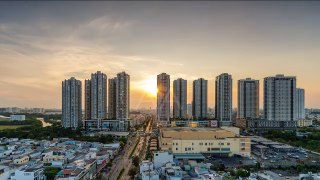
(139, 151)
(124, 161)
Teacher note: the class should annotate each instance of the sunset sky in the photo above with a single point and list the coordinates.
(43, 43)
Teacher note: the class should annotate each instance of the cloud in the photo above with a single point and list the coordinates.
(35, 62)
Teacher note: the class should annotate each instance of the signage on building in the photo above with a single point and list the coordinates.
(213, 123)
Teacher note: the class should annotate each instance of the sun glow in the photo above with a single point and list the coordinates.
(150, 86)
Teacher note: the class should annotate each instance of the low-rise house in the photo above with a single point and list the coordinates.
(145, 166)
(21, 160)
(160, 158)
(150, 175)
(34, 172)
(4, 172)
(54, 160)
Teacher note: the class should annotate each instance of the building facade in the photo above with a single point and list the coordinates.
(122, 96)
(14, 117)
(97, 97)
(200, 99)
(180, 99)
(223, 104)
(248, 98)
(87, 99)
(163, 97)
(280, 98)
(304, 122)
(71, 103)
(213, 141)
(301, 113)
(112, 108)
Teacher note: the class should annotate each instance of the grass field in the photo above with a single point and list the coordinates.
(2, 127)
(4, 119)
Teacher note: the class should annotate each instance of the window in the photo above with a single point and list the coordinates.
(176, 149)
(228, 144)
(185, 149)
(242, 149)
(205, 144)
(215, 149)
(225, 149)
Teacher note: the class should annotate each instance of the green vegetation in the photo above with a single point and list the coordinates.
(122, 141)
(133, 171)
(242, 173)
(311, 142)
(3, 127)
(33, 129)
(32, 122)
(120, 174)
(50, 172)
(136, 161)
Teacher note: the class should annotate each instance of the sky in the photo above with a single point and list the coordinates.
(43, 43)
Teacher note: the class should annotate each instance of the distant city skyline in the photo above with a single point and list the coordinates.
(44, 43)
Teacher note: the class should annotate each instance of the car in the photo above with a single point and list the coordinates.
(272, 161)
(313, 161)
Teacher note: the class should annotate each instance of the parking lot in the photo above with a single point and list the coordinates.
(231, 162)
(271, 158)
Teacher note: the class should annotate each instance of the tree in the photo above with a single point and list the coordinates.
(258, 166)
(222, 167)
(136, 161)
(242, 173)
(133, 171)
(50, 172)
(123, 139)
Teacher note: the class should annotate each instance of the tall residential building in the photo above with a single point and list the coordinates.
(280, 98)
(87, 99)
(96, 102)
(248, 98)
(200, 99)
(180, 98)
(122, 96)
(301, 114)
(112, 100)
(163, 97)
(223, 109)
(71, 103)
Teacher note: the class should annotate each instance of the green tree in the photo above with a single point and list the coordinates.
(136, 161)
(258, 166)
(50, 172)
(242, 173)
(133, 171)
